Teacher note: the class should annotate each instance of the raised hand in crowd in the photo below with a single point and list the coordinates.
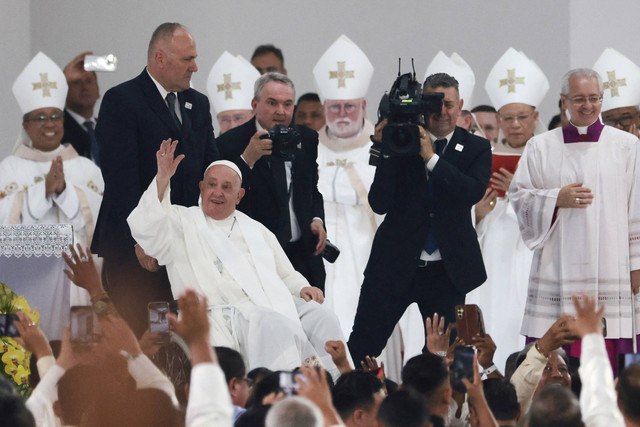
(437, 338)
(150, 343)
(588, 319)
(486, 349)
(193, 326)
(556, 336)
(481, 415)
(118, 336)
(31, 337)
(314, 387)
(167, 164)
(82, 270)
(338, 352)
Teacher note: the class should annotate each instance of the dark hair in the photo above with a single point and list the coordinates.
(163, 32)
(404, 408)
(483, 109)
(502, 398)
(554, 122)
(231, 363)
(425, 373)
(14, 412)
(268, 48)
(309, 97)
(555, 406)
(253, 417)
(355, 390)
(441, 80)
(629, 392)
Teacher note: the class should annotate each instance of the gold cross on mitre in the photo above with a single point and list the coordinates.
(511, 81)
(614, 84)
(228, 86)
(341, 74)
(45, 85)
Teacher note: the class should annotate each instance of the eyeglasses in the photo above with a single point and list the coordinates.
(511, 119)
(581, 100)
(348, 108)
(42, 118)
(624, 121)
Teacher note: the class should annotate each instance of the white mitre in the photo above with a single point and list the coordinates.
(343, 71)
(516, 79)
(458, 68)
(620, 80)
(230, 83)
(40, 85)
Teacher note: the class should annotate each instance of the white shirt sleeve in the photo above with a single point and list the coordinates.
(40, 403)
(526, 378)
(209, 401)
(67, 201)
(598, 398)
(147, 375)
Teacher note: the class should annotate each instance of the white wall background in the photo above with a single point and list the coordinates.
(558, 35)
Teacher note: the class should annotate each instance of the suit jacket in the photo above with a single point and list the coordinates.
(76, 135)
(399, 190)
(134, 119)
(262, 201)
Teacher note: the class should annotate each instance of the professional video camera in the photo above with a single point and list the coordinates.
(286, 141)
(406, 108)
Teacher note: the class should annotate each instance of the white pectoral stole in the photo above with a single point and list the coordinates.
(261, 284)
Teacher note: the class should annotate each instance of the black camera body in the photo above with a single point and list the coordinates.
(286, 141)
(405, 107)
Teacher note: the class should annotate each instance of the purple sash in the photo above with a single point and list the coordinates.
(570, 133)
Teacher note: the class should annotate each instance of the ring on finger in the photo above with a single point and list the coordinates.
(84, 258)
(578, 201)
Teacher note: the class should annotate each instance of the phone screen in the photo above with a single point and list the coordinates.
(462, 367)
(84, 324)
(158, 320)
(627, 359)
(7, 326)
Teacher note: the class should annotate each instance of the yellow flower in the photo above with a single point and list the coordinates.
(20, 303)
(7, 344)
(21, 376)
(13, 357)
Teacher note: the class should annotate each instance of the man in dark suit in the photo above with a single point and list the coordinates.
(134, 119)
(281, 193)
(79, 117)
(426, 249)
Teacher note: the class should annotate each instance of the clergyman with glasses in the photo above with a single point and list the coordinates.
(576, 196)
(44, 181)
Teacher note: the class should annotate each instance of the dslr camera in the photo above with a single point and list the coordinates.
(286, 141)
(406, 108)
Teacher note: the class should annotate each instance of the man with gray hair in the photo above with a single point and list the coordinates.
(294, 411)
(280, 178)
(576, 197)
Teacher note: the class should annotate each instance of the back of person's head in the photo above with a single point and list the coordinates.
(355, 390)
(81, 387)
(268, 48)
(629, 392)
(483, 109)
(428, 374)
(231, 363)
(253, 417)
(502, 399)
(555, 406)
(294, 411)
(13, 411)
(148, 407)
(269, 384)
(309, 97)
(404, 408)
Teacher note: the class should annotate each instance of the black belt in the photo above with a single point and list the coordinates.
(422, 263)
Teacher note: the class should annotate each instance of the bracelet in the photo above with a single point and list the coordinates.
(490, 370)
(540, 350)
(102, 296)
(441, 353)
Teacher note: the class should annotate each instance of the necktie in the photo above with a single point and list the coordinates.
(279, 172)
(171, 103)
(431, 243)
(94, 150)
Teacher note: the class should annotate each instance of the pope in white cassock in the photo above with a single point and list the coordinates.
(44, 181)
(260, 305)
(576, 196)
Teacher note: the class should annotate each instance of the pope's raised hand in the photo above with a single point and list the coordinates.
(167, 163)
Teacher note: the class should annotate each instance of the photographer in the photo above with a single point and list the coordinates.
(426, 249)
(281, 174)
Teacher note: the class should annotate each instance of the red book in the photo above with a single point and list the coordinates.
(506, 161)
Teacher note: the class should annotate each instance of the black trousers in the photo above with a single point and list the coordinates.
(131, 288)
(310, 266)
(381, 306)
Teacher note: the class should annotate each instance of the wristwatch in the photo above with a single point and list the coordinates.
(491, 369)
(102, 306)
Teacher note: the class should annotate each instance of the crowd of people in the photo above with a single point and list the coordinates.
(314, 288)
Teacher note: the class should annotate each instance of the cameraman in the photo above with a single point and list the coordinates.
(426, 249)
(282, 194)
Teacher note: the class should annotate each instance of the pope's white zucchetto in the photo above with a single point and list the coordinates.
(516, 79)
(226, 163)
(620, 80)
(41, 84)
(343, 71)
(457, 68)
